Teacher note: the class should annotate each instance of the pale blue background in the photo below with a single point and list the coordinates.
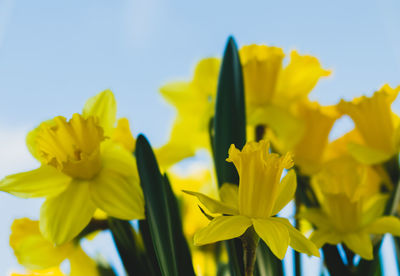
(56, 54)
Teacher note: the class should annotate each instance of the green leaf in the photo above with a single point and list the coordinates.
(184, 257)
(132, 256)
(162, 214)
(144, 231)
(230, 118)
(229, 128)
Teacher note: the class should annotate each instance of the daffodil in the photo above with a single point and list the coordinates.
(194, 102)
(351, 207)
(307, 136)
(42, 257)
(270, 88)
(270, 91)
(255, 202)
(376, 124)
(81, 169)
(352, 222)
(344, 175)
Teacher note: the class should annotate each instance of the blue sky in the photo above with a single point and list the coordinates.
(56, 54)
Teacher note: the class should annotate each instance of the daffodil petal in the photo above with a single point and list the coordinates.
(104, 107)
(173, 152)
(222, 228)
(122, 135)
(299, 77)
(383, 225)
(320, 237)
(32, 250)
(118, 159)
(81, 264)
(360, 243)
(64, 216)
(367, 155)
(44, 181)
(373, 208)
(297, 240)
(274, 233)
(117, 195)
(316, 217)
(214, 206)
(286, 191)
(229, 194)
(175, 93)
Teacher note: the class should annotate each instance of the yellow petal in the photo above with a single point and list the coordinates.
(320, 237)
(286, 191)
(44, 181)
(318, 121)
(261, 66)
(274, 233)
(367, 155)
(297, 240)
(118, 159)
(316, 217)
(122, 134)
(373, 208)
(81, 264)
(173, 152)
(360, 243)
(383, 225)
(299, 78)
(54, 271)
(229, 195)
(222, 228)
(118, 195)
(373, 118)
(31, 138)
(32, 250)
(214, 206)
(104, 107)
(64, 216)
(206, 75)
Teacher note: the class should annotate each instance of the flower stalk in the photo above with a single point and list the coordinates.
(250, 241)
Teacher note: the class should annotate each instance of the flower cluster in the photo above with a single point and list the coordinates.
(94, 176)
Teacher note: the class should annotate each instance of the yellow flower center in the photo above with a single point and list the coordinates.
(72, 147)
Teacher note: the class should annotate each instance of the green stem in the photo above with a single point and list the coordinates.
(250, 241)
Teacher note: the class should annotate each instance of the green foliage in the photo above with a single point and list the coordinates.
(162, 215)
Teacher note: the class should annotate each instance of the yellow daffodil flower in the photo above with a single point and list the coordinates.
(260, 196)
(307, 136)
(270, 90)
(194, 102)
(42, 257)
(376, 124)
(344, 220)
(345, 175)
(81, 170)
